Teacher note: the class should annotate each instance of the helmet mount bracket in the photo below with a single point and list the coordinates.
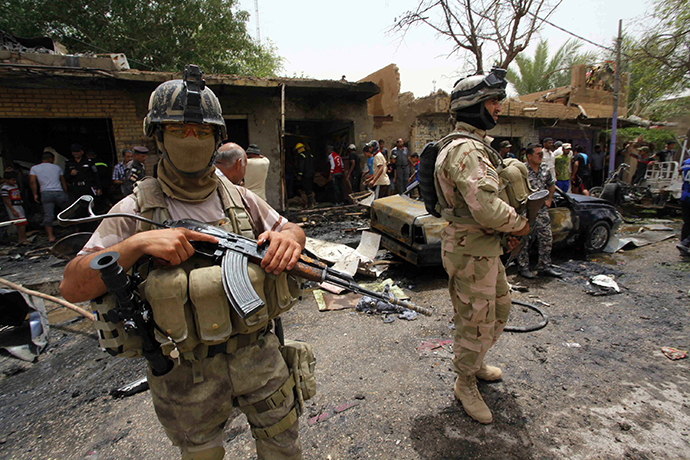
(194, 85)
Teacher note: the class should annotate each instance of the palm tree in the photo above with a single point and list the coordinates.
(541, 73)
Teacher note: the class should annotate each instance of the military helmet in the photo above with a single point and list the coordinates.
(474, 89)
(185, 101)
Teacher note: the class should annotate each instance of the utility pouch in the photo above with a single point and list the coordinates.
(281, 293)
(112, 335)
(301, 362)
(166, 292)
(240, 325)
(211, 306)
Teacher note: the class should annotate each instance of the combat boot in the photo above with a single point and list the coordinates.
(468, 394)
(489, 373)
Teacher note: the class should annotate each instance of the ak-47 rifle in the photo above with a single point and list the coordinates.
(534, 203)
(233, 252)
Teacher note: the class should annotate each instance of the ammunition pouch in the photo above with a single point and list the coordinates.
(514, 183)
(112, 335)
(190, 306)
(301, 362)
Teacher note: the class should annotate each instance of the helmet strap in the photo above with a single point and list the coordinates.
(476, 115)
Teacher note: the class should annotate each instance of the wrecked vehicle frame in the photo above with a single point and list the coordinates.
(413, 234)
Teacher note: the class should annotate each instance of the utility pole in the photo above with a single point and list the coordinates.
(616, 89)
(258, 30)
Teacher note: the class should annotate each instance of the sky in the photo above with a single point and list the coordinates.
(326, 40)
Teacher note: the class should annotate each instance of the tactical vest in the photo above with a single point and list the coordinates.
(189, 305)
(514, 187)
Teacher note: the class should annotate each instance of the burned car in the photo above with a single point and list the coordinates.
(410, 232)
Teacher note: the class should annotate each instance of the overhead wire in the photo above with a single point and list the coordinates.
(571, 33)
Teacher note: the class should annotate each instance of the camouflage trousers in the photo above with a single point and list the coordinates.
(481, 302)
(194, 414)
(542, 234)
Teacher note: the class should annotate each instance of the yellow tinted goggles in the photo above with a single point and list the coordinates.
(184, 130)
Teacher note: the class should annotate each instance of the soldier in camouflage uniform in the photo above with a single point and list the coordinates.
(467, 185)
(195, 398)
(540, 178)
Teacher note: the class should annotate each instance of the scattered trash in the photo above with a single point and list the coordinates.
(434, 344)
(602, 285)
(572, 345)
(408, 315)
(346, 406)
(642, 237)
(519, 288)
(344, 258)
(374, 306)
(673, 353)
(138, 386)
(326, 415)
(327, 301)
(319, 418)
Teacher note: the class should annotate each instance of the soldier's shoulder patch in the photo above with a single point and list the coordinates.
(491, 172)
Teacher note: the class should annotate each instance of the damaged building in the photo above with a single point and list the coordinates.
(48, 99)
(576, 113)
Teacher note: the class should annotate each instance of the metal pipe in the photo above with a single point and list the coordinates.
(616, 88)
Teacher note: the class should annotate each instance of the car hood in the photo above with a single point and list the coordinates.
(406, 220)
(589, 200)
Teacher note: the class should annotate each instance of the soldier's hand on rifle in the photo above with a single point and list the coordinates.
(283, 251)
(170, 245)
(512, 242)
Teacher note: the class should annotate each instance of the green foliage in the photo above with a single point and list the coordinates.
(541, 72)
(154, 34)
(658, 137)
(659, 61)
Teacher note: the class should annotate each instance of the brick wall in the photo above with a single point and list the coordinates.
(118, 106)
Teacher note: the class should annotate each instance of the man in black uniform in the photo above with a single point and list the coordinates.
(82, 175)
(135, 170)
(667, 154)
(305, 174)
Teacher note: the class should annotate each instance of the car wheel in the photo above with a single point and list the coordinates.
(596, 191)
(598, 237)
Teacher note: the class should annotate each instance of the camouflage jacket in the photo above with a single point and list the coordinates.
(467, 184)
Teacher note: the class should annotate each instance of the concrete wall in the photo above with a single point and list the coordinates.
(386, 102)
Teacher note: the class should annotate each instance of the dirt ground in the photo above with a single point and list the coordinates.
(593, 384)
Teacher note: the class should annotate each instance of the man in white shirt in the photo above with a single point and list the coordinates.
(379, 181)
(53, 189)
(549, 160)
(257, 171)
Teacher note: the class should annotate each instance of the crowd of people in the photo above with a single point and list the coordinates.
(384, 172)
(54, 188)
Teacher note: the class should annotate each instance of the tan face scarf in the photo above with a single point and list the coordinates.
(188, 154)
